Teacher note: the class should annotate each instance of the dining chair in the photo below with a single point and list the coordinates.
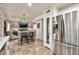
(31, 36)
(24, 37)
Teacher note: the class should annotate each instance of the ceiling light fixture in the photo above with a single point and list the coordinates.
(30, 4)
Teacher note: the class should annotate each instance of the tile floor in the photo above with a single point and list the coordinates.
(37, 48)
(33, 48)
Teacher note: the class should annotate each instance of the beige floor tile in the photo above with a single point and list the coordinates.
(33, 48)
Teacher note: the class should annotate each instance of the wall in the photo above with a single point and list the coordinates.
(39, 32)
(13, 22)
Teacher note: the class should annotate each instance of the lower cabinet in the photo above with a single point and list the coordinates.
(74, 51)
(65, 49)
(78, 50)
(58, 49)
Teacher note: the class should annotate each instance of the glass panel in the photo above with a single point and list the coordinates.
(47, 30)
(38, 25)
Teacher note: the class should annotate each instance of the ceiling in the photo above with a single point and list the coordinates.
(14, 10)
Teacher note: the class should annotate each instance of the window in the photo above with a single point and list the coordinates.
(38, 25)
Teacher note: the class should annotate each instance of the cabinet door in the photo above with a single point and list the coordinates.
(58, 18)
(56, 49)
(60, 48)
(60, 35)
(60, 23)
(74, 28)
(78, 33)
(74, 32)
(74, 51)
(67, 33)
(68, 28)
(48, 32)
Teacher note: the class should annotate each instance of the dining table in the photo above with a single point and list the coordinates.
(25, 35)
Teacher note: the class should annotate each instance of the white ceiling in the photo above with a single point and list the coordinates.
(16, 9)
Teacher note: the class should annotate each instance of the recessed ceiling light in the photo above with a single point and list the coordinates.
(29, 4)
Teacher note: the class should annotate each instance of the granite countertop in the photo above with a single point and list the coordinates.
(3, 40)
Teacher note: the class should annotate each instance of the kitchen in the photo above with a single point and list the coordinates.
(39, 29)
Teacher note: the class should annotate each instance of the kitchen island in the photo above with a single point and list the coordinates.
(4, 42)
